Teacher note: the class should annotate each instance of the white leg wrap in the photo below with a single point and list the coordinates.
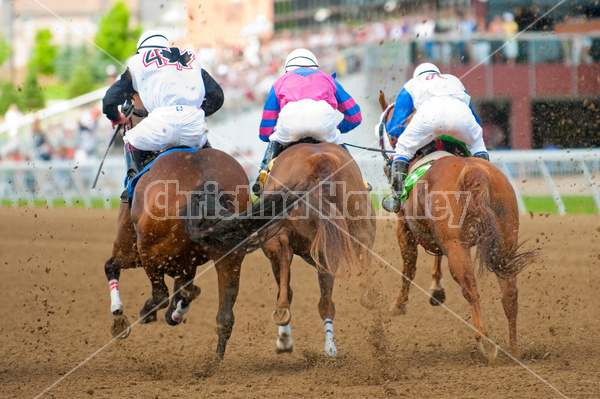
(330, 349)
(284, 342)
(178, 313)
(115, 298)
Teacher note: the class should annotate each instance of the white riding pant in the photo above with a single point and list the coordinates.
(307, 118)
(168, 127)
(438, 116)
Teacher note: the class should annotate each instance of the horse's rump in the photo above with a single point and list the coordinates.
(323, 165)
(322, 219)
(159, 206)
(494, 251)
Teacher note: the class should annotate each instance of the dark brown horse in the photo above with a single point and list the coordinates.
(152, 234)
(154, 237)
(460, 203)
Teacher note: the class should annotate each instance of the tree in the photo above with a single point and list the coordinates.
(8, 96)
(43, 52)
(81, 81)
(66, 59)
(114, 35)
(33, 98)
(4, 50)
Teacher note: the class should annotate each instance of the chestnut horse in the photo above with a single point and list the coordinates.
(460, 203)
(331, 227)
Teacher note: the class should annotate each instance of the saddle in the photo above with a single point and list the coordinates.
(304, 140)
(442, 143)
(265, 173)
(149, 157)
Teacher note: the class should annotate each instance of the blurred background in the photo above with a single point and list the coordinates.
(532, 69)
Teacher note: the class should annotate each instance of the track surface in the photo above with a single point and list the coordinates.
(55, 314)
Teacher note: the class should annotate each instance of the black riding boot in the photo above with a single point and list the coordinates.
(482, 155)
(273, 150)
(133, 159)
(399, 172)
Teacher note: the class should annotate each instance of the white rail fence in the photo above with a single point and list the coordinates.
(552, 173)
(574, 172)
(52, 181)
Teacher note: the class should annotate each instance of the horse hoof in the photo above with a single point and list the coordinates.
(284, 346)
(170, 321)
(370, 299)
(398, 310)
(330, 349)
(149, 318)
(120, 327)
(488, 349)
(437, 297)
(281, 317)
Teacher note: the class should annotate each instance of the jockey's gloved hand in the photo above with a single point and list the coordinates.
(123, 120)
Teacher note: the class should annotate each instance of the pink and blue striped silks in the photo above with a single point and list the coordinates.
(306, 83)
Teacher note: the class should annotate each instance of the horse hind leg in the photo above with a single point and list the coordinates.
(459, 260)
(510, 294)
(158, 300)
(409, 250)
(370, 298)
(280, 254)
(327, 312)
(228, 276)
(120, 327)
(113, 272)
(437, 292)
(184, 292)
(284, 343)
(124, 255)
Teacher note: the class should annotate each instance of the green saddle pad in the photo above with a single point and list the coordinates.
(413, 178)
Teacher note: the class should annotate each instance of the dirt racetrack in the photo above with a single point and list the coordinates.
(55, 315)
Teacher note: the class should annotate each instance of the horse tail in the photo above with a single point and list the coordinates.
(332, 247)
(209, 222)
(476, 180)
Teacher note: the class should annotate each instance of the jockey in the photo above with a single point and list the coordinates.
(177, 93)
(442, 107)
(301, 104)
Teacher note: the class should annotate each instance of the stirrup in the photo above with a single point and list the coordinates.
(392, 203)
(482, 155)
(258, 185)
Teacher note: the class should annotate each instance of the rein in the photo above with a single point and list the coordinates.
(369, 148)
(381, 132)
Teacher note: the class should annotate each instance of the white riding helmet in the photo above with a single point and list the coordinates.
(152, 39)
(301, 58)
(425, 67)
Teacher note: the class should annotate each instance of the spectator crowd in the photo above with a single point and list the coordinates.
(247, 71)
